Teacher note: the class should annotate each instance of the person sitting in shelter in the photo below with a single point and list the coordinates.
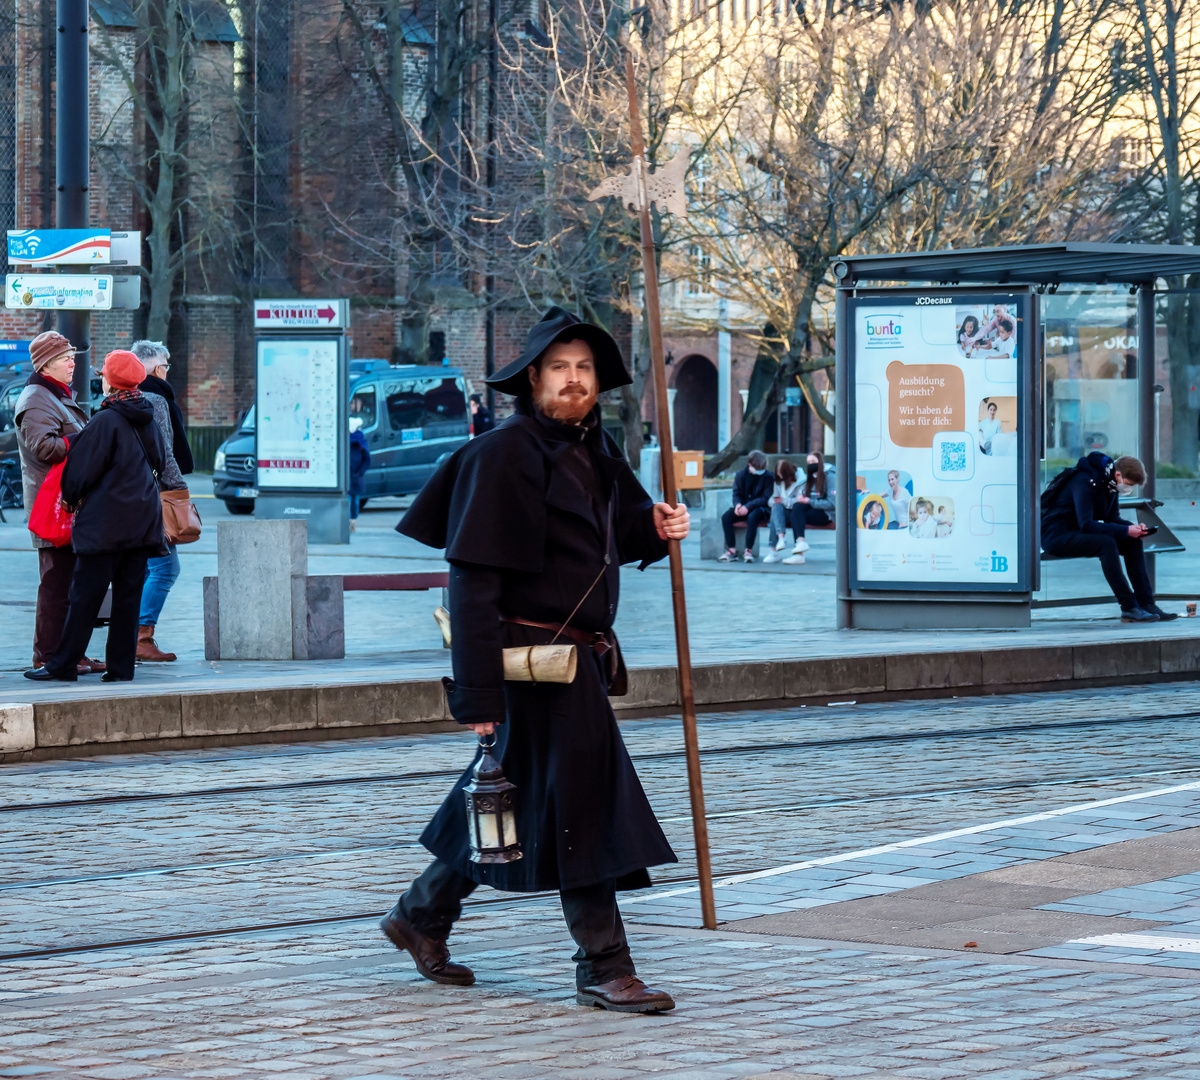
(1081, 519)
(752, 488)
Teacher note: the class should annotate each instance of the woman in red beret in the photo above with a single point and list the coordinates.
(110, 477)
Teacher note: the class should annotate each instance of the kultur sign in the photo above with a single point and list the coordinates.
(298, 314)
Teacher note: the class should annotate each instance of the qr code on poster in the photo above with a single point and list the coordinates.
(954, 457)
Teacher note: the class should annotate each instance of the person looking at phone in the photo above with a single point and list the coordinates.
(1081, 519)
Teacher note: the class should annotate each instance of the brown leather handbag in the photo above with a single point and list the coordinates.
(181, 519)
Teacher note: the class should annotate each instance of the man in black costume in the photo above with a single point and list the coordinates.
(536, 517)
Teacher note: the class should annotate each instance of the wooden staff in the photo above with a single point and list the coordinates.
(687, 699)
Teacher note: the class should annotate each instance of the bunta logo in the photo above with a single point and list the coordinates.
(884, 332)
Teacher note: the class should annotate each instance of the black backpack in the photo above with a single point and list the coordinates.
(1056, 486)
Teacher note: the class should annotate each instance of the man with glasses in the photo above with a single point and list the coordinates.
(161, 573)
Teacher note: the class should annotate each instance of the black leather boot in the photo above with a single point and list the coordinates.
(430, 955)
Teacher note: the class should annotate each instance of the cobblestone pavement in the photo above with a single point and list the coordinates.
(937, 785)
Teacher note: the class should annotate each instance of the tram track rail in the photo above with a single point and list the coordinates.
(881, 738)
(831, 802)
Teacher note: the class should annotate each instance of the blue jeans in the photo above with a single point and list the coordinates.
(160, 576)
(354, 506)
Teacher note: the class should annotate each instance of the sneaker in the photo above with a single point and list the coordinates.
(801, 547)
(781, 543)
(771, 556)
(748, 555)
(794, 560)
(1163, 616)
(727, 556)
(1136, 614)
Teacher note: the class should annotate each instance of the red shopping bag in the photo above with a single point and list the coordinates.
(48, 520)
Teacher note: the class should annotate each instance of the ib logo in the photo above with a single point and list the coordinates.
(884, 332)
(999, 563)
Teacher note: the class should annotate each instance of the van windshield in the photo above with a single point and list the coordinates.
(248, 419)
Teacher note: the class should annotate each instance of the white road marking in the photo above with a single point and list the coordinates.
(918, 841)
(1143, 941)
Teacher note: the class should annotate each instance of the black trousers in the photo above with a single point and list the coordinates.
(1110, 550)
(433, 904)
(801, 514)
(760, 515)
(55, 567)
(126, 570)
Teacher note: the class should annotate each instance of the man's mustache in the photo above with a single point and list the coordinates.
(573, 390)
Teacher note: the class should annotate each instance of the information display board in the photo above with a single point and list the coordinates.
(301, 403)
(66, 292)
(939, 441)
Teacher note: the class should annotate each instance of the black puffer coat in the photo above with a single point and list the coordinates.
(108, 477)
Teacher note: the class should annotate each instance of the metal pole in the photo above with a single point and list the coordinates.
(687, 701)
(1145, 393)
(846, 485)
(71, 164)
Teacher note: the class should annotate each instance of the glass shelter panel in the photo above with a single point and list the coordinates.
(1090, 403)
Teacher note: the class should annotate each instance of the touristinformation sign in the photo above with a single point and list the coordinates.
(68, 292)
(939, 441)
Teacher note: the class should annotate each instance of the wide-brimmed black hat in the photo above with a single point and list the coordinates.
(556, 325)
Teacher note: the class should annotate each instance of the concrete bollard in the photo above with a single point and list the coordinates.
(16, 728)
(262, 605)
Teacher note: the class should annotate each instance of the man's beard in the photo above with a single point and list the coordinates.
(568, 408)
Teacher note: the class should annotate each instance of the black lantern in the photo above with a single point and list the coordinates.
(491, 811)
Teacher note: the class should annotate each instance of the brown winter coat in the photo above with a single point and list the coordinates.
(44, 421)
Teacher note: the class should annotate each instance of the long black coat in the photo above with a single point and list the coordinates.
(524, 516)
(108, 476)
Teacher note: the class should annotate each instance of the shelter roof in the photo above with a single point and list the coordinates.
(1032, 264)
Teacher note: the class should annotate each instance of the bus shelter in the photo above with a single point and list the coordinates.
(942, 450)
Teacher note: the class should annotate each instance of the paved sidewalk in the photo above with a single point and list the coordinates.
(736, 614)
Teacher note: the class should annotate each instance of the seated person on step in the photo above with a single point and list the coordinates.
(752, 487)
(812, 505)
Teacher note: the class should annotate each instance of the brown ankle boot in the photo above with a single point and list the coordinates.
(147, 647)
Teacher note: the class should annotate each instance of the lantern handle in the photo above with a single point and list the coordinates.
(487, 745)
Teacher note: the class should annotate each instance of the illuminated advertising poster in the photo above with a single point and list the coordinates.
(937, 443)
(298, 431)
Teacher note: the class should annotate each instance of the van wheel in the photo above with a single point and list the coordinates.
(361, 503)
(237, 507)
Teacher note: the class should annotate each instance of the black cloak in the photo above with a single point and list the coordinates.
(523, 512)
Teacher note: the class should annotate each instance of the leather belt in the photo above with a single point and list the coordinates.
(596, 641)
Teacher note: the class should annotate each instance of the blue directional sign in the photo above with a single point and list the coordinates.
(52, 247)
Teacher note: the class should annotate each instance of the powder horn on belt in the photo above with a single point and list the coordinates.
(527, 663)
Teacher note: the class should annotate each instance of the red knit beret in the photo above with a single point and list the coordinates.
(123, 370)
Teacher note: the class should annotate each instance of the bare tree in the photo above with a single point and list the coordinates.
(903, 127)
(178, 152)
(1156, 86)
(567, 121)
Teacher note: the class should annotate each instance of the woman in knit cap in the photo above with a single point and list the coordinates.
(47, 415)
(110, 477)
